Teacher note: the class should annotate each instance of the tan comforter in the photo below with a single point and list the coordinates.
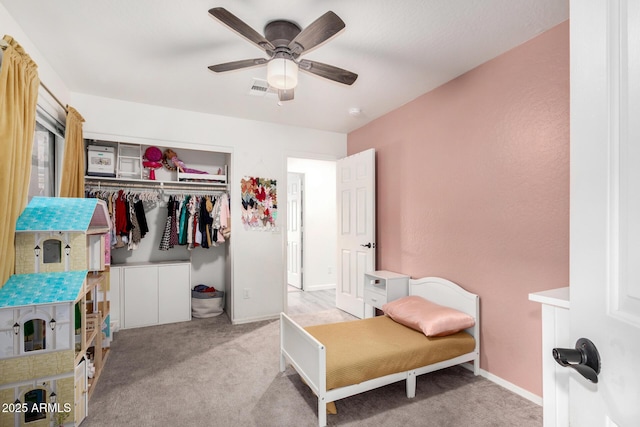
(361, 350)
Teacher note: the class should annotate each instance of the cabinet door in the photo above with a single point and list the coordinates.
(114, 297)
(174, 293)
(140, 296)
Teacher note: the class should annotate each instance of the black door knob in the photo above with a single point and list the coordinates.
(584, 358)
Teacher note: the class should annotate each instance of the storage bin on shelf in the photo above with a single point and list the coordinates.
(206, 302)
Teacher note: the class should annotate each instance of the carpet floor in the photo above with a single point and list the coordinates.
(207, 372)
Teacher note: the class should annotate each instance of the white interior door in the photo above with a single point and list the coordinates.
(294, 229)
(356, 202)
(605, 208)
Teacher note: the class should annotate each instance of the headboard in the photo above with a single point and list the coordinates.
(445, 292)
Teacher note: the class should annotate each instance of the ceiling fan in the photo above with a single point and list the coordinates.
(284, 42)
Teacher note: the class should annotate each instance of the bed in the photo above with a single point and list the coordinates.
(329, 357)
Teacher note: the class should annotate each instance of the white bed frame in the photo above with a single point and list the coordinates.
(308, 356)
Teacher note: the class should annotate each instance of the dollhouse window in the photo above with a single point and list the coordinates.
(34, 399)
(35, 334)
(52, 251)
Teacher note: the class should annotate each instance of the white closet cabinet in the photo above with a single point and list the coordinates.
(174, 293)
(155, 293)
(115, 288)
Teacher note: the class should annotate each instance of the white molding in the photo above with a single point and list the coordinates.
(510, 386)
(622, 304)
(324, 287)
(255, 319)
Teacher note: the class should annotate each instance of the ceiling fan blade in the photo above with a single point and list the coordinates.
(240, 27)
(318, 32)
(285, 95)
(328, 71)
(236, 65)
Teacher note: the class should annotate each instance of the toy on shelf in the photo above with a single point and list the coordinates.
(153, 158)
(172, 162)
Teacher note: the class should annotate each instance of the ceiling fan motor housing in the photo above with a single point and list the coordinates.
(281, 32)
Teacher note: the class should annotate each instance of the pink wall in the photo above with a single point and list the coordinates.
(473, 186)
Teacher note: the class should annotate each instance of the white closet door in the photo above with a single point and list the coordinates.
(140, 296)
(174, 293)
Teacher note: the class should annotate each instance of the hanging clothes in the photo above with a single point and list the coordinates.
(121, 223)
(205, 222)
(191, 221)
(196, 223)
(165, 242)
(134, 232)
(173, 235)
(141, 217)
(184, 221)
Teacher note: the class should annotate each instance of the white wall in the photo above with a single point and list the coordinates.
(256, 149)
(48, 76)
(320, 229)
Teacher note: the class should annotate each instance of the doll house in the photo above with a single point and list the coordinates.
(54, 312)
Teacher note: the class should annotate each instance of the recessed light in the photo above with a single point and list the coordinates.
(355, 111)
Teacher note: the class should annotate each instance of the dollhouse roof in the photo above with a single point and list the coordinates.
(90, 216)
(42, 288)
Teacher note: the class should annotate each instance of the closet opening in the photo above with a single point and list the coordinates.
(171, 211)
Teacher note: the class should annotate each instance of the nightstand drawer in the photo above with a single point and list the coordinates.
(375, 299)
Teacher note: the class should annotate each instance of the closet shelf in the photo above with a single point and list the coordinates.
(108, 182)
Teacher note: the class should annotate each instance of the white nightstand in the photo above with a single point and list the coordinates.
(383, 286)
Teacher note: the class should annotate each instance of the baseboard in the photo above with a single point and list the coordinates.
(255, 319)
(320, 287)
(509, 386)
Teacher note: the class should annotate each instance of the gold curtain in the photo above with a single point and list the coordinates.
(18, 97)
(72, 184)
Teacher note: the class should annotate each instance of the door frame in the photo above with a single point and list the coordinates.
(303, 156)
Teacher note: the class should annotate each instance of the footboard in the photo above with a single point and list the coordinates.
(308, 356)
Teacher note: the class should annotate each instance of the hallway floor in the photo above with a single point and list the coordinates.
(301, 302)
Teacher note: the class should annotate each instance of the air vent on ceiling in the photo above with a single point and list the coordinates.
(260, 87)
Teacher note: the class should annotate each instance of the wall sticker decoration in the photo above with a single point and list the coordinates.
(259, 203)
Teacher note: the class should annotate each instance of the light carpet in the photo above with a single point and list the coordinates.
(207, 372)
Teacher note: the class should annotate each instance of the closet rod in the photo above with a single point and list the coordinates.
(3, 46)
(162, 186)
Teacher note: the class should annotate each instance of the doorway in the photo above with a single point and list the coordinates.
(313, 262)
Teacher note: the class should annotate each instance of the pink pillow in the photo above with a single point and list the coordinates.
(422, 315)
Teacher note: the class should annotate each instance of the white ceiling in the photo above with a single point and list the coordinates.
(157, 51)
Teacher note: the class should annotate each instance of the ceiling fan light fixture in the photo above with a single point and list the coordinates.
(282, 73)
